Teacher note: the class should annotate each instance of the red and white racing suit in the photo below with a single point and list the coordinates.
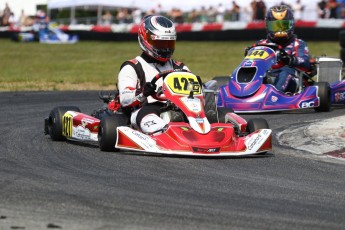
(133, 75)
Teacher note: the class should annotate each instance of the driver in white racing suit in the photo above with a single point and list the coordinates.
(157, 37)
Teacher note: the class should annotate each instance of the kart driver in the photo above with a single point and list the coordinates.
(280, 30)
(157, 37)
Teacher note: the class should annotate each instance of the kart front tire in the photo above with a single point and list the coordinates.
(324, 93)
(256, 124)
(107, 133)
(54, 124)
(210, 107)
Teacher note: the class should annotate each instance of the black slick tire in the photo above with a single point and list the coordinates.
(324, 93)
(256, 124)
(54, 122)
(107, 133)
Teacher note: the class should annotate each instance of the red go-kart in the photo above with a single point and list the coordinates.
(188, 132)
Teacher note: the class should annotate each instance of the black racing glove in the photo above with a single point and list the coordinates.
(148, 89)
(288, 59)
(246, 50)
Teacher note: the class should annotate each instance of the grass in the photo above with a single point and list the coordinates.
(95, 65)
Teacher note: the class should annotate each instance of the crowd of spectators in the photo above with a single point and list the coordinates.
(331, 9)
(218, 13)
(8, 18)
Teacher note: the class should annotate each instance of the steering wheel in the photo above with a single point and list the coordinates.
(274, 46)
(160, 95)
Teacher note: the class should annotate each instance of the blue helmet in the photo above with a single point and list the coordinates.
(280, 24)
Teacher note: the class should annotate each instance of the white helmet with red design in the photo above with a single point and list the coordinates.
(157, 37)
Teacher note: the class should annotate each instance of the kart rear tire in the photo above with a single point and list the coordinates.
(256, 124)
(324, 93)
(55, 121)
(107, 133)
(342, 38)
(221, 80)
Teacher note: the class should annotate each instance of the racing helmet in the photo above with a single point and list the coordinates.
(157, 37)
(280, 24)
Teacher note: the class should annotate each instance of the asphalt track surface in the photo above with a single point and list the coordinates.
(65, 185)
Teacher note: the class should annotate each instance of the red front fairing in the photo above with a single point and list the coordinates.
(79, 126)
(87, 122)
(181, 137)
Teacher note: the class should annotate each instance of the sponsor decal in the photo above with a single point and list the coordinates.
(205, 150)
(254, 140)
(139, 135)
(127, 92)
(67, 124)
(274, 99)
(150, 123)
(306, 104)
(265, 132)
(143, 140)
(199, 120)
(193, 104)
(86, 121)
(165, 37)
(81, 133)
(248, 63)
(339, 96)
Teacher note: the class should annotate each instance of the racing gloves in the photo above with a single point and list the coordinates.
(288, 59)
(149, 89)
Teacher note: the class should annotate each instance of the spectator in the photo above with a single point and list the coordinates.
(179, 16)
(12, 21)
(341, 8)
(248, 12)
(211, 14)
(220, 13)
(6, 15)
(260, 10)
(22, 19)
(298, 10)
(176, 15)
(137, 15)
(322, 9)
(158, 9)
(332, 5)
(235, 12)
(253, 6)
(193, 16)
(107, 18)
(122, 16)
(41, 21)
(203, 14)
